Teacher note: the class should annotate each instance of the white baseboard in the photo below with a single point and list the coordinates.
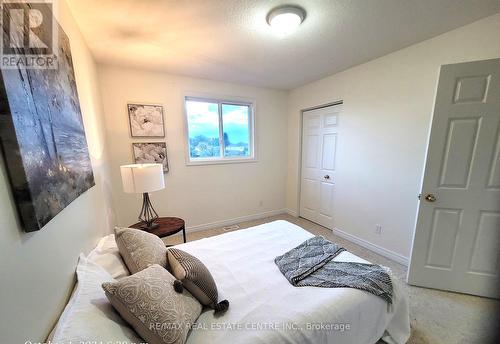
(235, 220)
(361, 242)
(375, 248)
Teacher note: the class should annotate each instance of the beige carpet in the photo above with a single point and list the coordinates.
(436, 316)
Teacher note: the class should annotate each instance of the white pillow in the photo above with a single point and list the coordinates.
(106, 255)
(88, 316)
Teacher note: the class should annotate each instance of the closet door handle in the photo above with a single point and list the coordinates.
(430, 198)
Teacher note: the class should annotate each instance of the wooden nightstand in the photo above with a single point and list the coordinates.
(166, 226)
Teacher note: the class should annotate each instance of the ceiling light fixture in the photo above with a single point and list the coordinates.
(285, 19)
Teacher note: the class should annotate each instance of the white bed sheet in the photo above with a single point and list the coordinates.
(242, 264)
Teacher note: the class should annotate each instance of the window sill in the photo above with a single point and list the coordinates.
(220, 161)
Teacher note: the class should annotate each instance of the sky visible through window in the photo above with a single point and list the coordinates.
(203, 127)
(236, 129)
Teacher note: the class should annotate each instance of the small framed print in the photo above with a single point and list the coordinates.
(151, 153)
(146, 120)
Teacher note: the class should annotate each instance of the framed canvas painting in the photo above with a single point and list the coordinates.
(151, 152)
(146, 120)
(42, 138)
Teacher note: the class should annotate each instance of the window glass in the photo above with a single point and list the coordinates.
(236, 130)
(203, 128)
(219, 130)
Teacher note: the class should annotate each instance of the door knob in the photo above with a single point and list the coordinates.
(430, 198)
(327, 177)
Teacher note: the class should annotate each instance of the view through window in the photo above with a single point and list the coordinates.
(219, 130)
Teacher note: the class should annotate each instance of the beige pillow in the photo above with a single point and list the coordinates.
(140, 249)
(196, 278)
(148, 302)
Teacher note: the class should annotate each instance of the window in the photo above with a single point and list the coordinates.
(219, 131)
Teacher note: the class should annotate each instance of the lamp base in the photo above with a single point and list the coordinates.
(148, 214)
(147, 228)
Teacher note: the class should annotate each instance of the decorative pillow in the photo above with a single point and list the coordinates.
(195, 276)
(140, 249)
(148, 302)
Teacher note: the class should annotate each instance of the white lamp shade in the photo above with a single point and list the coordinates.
(141, 178)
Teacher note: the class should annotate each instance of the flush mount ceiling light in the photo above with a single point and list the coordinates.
(286, 19)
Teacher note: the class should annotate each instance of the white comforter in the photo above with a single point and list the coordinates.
(265, 308)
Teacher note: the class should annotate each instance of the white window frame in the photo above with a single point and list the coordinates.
(222, 159)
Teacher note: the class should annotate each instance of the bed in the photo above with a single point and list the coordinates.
(264, 307)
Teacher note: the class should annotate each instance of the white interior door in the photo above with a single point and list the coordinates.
(319, 147)
(456, 243)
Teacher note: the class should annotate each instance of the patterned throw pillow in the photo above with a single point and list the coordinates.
(196, 278)
(140, 249)
(148, 302)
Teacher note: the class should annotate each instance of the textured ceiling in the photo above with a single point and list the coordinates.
(229, 40)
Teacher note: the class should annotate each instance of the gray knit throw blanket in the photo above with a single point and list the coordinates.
(311, 264)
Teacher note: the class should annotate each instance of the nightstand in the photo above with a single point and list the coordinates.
(166, 226)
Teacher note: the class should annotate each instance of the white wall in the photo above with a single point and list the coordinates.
(388, 105)
(202, 195)
(37, 269)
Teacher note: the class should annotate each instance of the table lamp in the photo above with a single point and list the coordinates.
(144, 178)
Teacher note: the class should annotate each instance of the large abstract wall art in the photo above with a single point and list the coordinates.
(43, 139)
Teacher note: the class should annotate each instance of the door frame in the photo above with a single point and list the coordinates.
(421, 186)
(301, 122)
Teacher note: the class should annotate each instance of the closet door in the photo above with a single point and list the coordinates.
(319, 147)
